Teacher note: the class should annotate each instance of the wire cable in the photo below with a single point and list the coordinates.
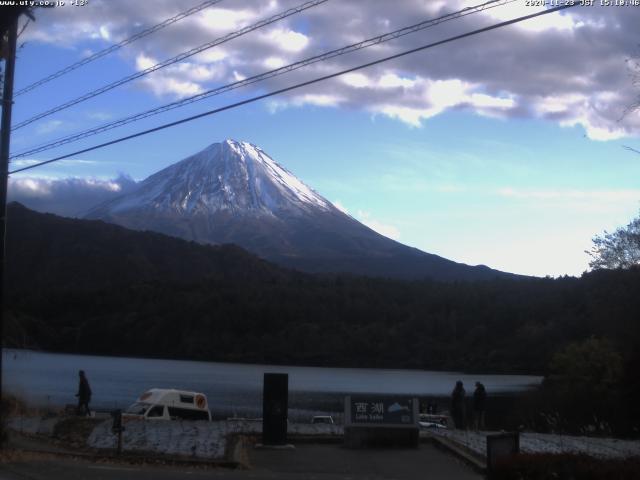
(263, 76)
(298, 85)
(171, 61)
(117, 46)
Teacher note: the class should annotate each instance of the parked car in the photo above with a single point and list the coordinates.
(322, 419)
(434, 421)
(169, 404)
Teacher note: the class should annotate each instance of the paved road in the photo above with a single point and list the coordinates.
(308, 462)
(335, 462)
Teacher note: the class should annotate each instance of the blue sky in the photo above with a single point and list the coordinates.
(506, 150)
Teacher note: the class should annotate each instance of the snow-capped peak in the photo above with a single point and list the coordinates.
(229, 176)
(247, 151)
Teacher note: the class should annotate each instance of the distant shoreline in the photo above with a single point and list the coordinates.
(275, 365)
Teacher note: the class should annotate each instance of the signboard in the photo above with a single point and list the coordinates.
(381, 410)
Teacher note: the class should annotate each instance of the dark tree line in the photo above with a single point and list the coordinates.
(90, 287)
(497, 326)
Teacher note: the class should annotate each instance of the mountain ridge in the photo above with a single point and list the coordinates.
(233, 192)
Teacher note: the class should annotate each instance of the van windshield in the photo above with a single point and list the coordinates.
(138, 408)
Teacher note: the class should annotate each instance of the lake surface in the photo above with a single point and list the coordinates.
(50, 379)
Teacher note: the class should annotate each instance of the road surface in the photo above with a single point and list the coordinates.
(306, 462)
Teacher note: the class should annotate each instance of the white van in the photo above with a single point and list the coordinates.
(169, 404)
(327, 419)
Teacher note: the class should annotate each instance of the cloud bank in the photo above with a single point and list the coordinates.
(569, 68)
(69, 197)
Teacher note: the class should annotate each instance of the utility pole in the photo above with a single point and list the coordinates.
(5, 140)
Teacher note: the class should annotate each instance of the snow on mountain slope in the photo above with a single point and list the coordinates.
(237, 177)
(233, 192)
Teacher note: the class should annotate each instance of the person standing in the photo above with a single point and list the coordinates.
(479, 397)
(458, 406)
(84, 394)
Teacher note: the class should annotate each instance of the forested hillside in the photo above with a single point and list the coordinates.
(89, 287)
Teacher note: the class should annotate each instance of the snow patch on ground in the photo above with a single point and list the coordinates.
(208, 440)
(196, 439)
(549, 443)
(199, 439)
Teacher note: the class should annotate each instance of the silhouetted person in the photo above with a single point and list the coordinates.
(84, 394)
(457, 405)
(479, 397)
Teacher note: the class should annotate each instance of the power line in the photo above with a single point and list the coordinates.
(117, 46)
(298, 85)
(263, 76)
(171, 61)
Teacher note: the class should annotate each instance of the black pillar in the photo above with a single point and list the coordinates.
(275, 405)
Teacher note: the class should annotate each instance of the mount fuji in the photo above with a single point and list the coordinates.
(233, 192)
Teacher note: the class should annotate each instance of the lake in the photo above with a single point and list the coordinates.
(51, 380)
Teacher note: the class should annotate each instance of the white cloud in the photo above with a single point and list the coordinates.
(365, 218)
(274, 62)
(338, 204)
(222, 19)
(67, 196)
(49, 126)
(595, 128)
(391, 80)
(198, 73)
(434, 96)
(76, 161)
(318, 100)
(143, 62)
(23, 162)
(100, 116)
(447, 93)
(104, 32)
(387, 230)
(31, 186)
(565, 195)
(482, 100)
(411, 116)
(170, 86)
(288, 40)
(553, 104)
(568, 68)
(585, 110)
(212, 55)
(558, 21)
(180, 80)
(357, 80)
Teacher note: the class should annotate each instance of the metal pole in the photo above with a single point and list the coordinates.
(5, 139)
